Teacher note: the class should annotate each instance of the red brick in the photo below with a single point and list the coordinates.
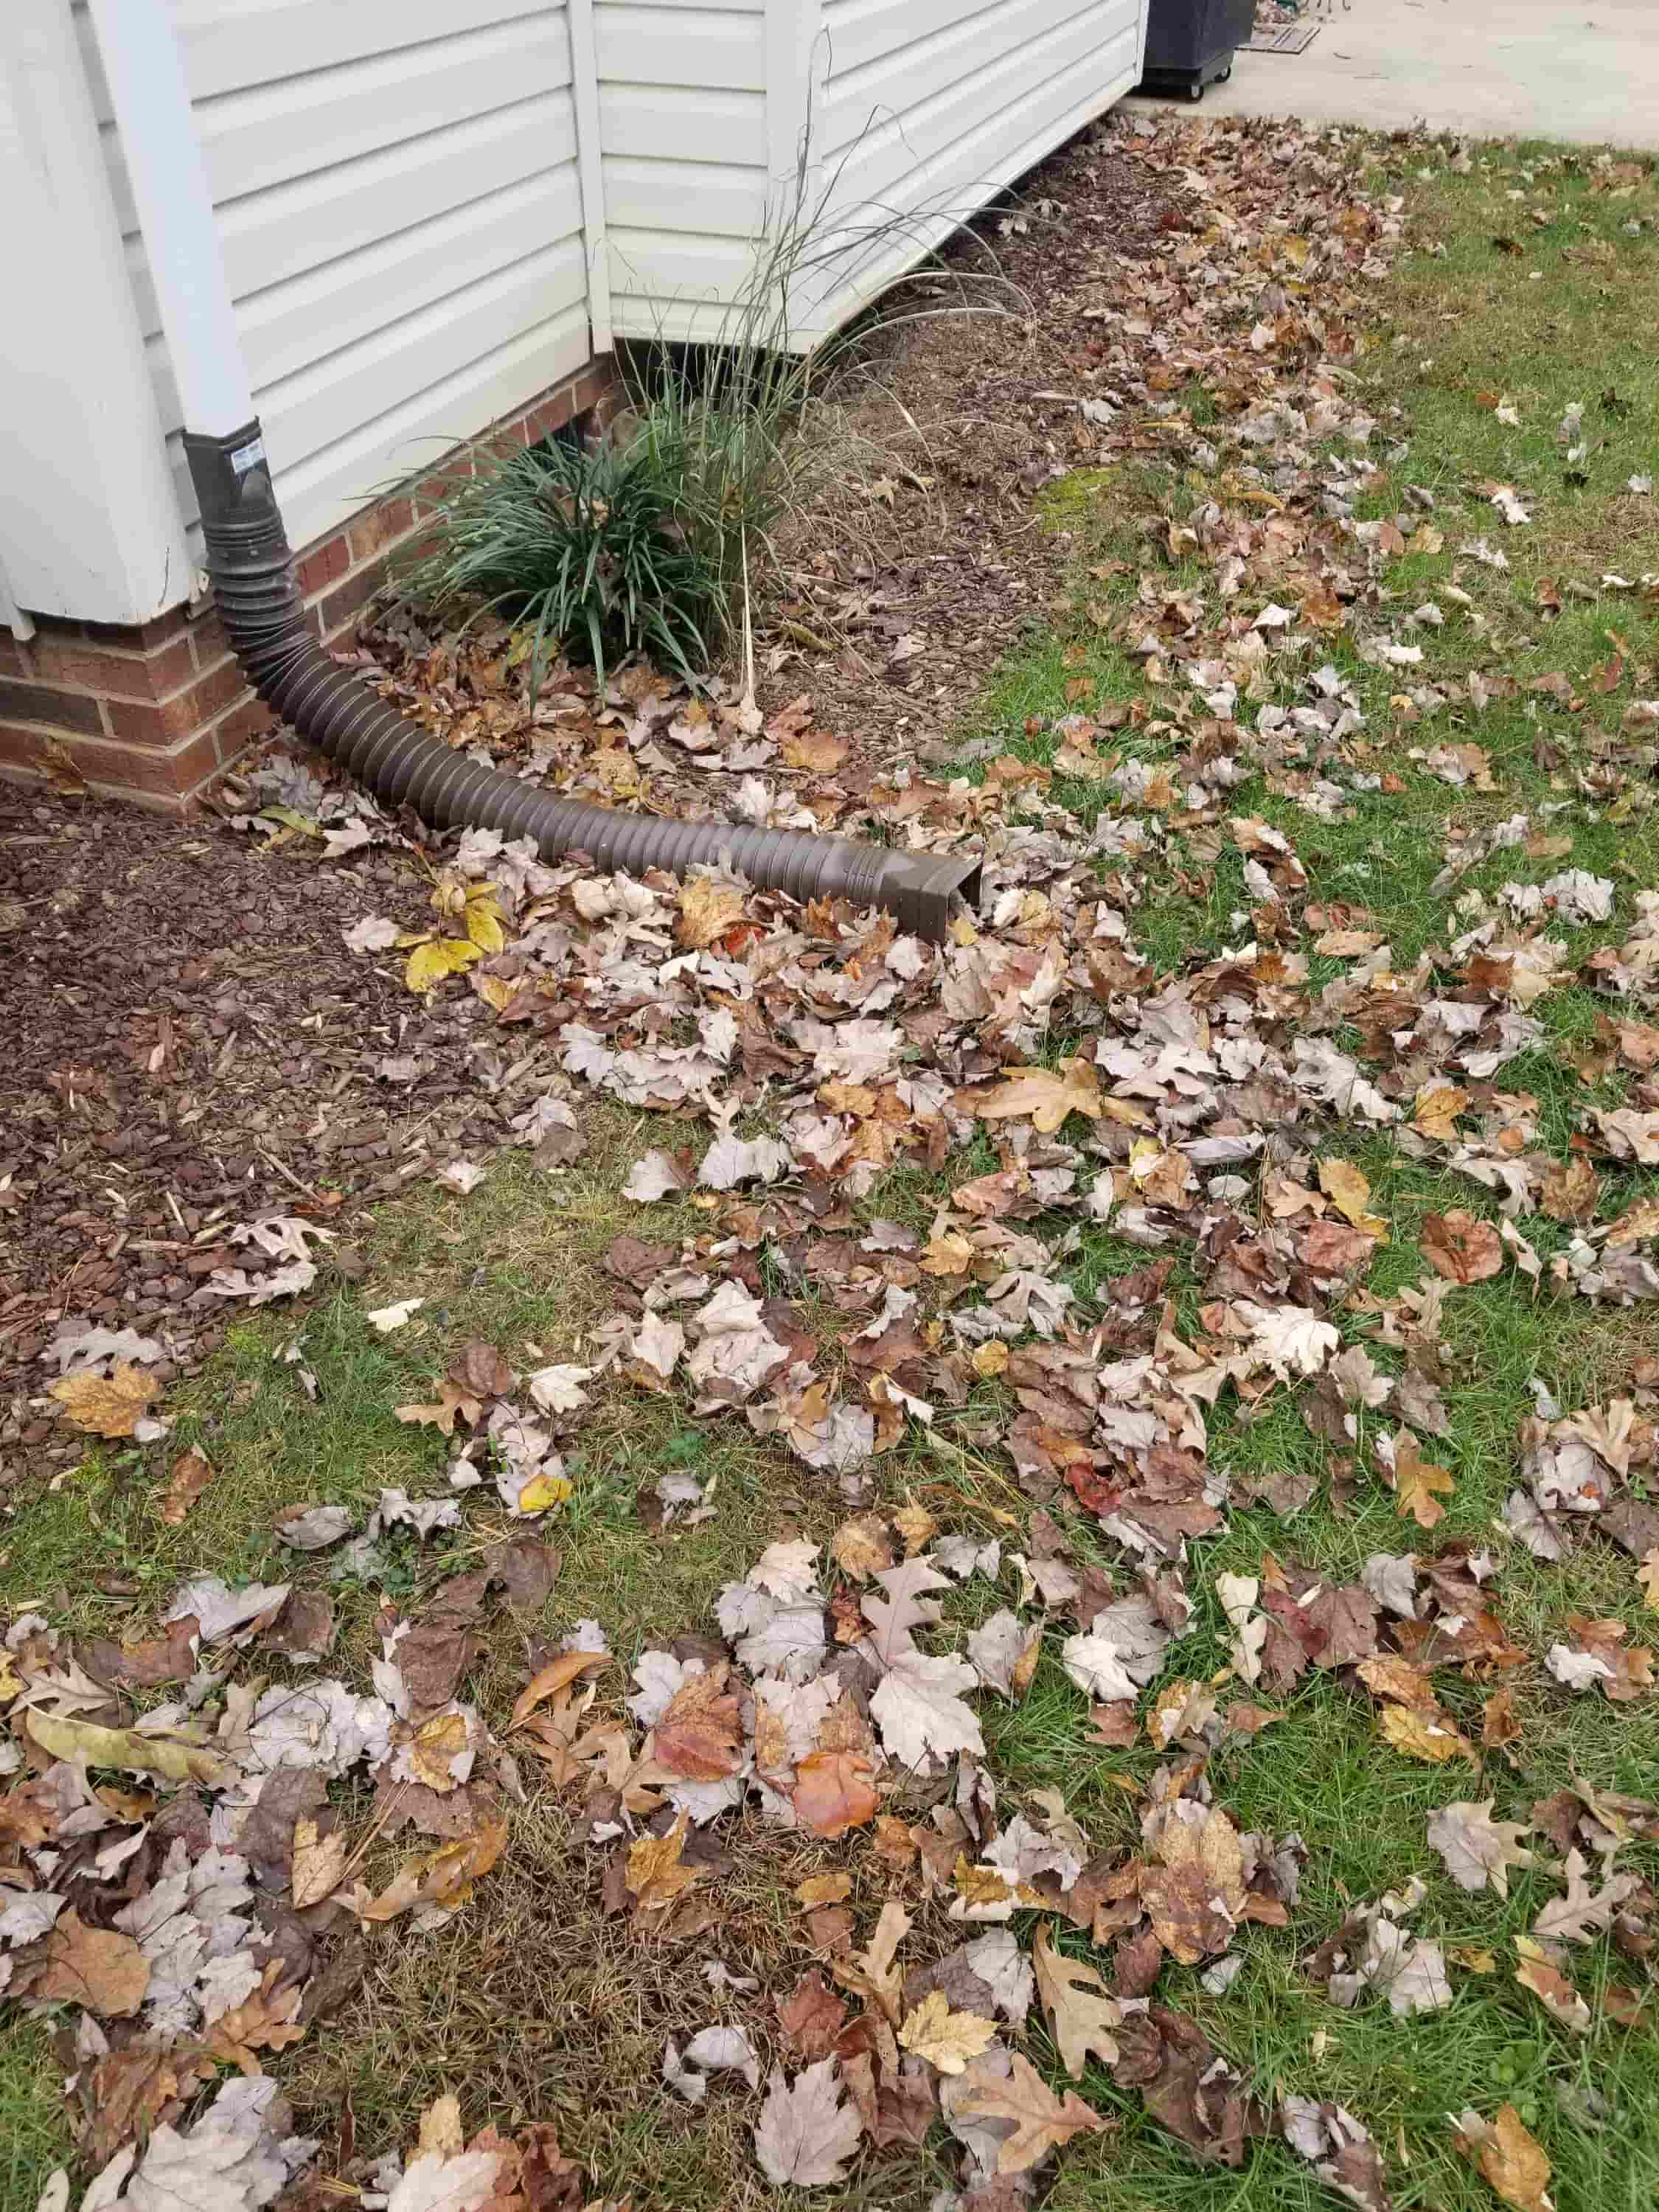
(151, 778)
(113, 675)
(323, 565)
(208, 641)
(138, 637)
(337, 607)
(60, 710)
(169, 719)
(12, 660)
(371, 533)
(242, 726)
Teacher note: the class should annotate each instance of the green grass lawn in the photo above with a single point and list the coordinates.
(531, 2007)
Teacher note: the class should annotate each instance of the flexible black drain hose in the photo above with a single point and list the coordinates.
(251, 569)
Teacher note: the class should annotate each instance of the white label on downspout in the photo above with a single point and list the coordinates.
(248, 456)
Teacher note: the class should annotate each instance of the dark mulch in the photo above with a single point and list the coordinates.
(967, 566)
(190, 1045)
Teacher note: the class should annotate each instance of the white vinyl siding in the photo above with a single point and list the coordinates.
(399, 203)
(926, 108)
(682, 131)
(916, 113)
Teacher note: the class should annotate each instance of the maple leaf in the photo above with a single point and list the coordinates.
(97, 1967)
(920, 1711)
(1292, 1339)
(656, 1871)
(1600, 1655)
(945, 2038)
(700, 1734)
(1042, 2121)
(107, 1408)
(811, 2017)
(1120, 1653)
(1047, 1095)
(1419, 1483)
(1004, 1652)
(1512, 2161)
(1478, 1850)
(318, 1865)
(860, 1546)
(229, 2158)
(1432, 1737)
(1079, 2011)
(805, 2134)
(1195, 1892)
(1460, 1247)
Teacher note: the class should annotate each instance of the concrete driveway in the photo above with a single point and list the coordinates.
(1581, 69)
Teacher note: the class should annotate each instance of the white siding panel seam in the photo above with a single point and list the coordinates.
(584, 67)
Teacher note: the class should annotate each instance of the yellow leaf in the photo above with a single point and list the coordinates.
(1428, 1736)
(1417, 1480)
(946, 2040)
(179, 1759)
(656, 1873)
(485, 923)
(1348, 1190)
(494, 990)
(1437, 1109)
(437, 1743)
(1511, 2161)
(708, 910)
(1647, 1575)
(543, 1491)
(430, 962)
(112, 1408)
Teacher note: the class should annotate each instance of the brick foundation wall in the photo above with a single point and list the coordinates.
(154, 711)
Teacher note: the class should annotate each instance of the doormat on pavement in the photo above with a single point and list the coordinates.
(1294, 38)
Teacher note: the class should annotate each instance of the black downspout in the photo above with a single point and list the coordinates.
(251, 569)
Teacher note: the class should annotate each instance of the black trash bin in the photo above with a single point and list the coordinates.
(1191, 43)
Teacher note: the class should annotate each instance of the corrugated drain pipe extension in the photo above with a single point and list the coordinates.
(251, 569)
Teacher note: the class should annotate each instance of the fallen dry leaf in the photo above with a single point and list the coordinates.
(112, 1408)
(1194, 1892)
(1512, 2162)
(1047, 1095)
(97, 1967)
(805, 2134)
(1042, 2121)
(656, 1871)
(1478, 1850)
(1080, 2013)
(187, 1478)
(1419, 1483)
(1460, 1247)
(1348, 1190)
(945, 2038)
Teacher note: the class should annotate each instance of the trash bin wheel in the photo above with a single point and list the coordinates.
(1195, 91)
